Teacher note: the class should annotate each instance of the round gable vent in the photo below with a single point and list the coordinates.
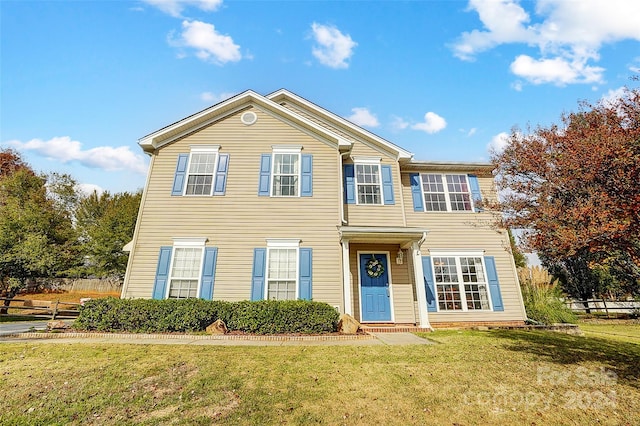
(249, 118)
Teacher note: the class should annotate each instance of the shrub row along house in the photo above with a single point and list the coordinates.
(273, 197)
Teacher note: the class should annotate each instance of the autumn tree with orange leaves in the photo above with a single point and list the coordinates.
(575, 188)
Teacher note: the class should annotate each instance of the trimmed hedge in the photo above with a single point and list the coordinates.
(192, 315)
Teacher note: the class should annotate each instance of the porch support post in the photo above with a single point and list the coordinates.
(421, 293)
(346, 278)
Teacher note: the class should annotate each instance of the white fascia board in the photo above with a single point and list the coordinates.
(459, 166)
(382, 230)
(464, 252)
(400, 152)
(148, 141)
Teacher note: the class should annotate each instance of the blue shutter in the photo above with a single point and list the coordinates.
(429, 285)
(305, 275)
(307, 175)
(258, 277)
(387, 185)
(264, 187)
(349, 184)
(494, 285)
(162, 273)
(416, 192)
(221, 174)
(475, 192)
(208, 273)
(181, 173)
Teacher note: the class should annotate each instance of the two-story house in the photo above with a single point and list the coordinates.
(273, 197)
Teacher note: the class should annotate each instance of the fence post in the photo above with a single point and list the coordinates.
(55, 310)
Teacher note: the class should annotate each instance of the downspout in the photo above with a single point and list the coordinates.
(341, 156)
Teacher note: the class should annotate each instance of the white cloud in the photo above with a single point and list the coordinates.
(557, 71)
(89, 188)
(175, 7)
(433, 123)
(65, 150)
(472, 132)
(498, 143)
(363, 117)
(215, 98)
(399, 123)
(610, 98)
(210, 45)
(568, 34)
(333, 48)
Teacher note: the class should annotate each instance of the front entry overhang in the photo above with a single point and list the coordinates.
(405, 237)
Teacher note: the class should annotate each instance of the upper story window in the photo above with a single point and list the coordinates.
(368, 183)
(446, 192)
(286, 174)
(201, 172)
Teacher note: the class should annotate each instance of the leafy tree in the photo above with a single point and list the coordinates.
(574, 187)
(36, 236)
(106, 223)
(10, 161)
(519, 258)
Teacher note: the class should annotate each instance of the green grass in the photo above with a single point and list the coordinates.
(471, 377)
(612, 329)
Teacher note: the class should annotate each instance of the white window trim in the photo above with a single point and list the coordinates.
(446, 193)
(285, 149)
(463, 297)
(186, 242)
(200, 149)
(282, 243)
(368, 161)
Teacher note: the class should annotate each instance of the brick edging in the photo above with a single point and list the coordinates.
(231, 337)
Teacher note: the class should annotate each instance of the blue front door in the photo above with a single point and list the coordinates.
(374, 288)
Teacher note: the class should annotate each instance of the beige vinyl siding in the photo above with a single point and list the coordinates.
(317, 120)
(376, 215)
(240, 221)
(401, 286)
(469, 231)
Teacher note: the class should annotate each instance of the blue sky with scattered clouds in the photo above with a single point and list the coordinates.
(81, 82)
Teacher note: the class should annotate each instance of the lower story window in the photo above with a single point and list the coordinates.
(185, 272)
(282, 273)
(461, 283)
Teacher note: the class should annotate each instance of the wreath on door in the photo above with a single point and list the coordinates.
(374, 268)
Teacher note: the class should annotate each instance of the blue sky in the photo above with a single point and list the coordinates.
(81, 82)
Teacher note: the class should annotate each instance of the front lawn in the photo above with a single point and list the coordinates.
(471, 377)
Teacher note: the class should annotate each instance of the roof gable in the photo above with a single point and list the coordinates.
(340, 125)
(308, 116)
(206, 117)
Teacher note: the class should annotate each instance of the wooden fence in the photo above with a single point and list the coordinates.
(609, 307)
(38, 308)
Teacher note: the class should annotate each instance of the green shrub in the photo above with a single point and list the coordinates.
(543, 303)
(190, 315)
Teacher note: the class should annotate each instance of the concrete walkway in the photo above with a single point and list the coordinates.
(14, 333)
